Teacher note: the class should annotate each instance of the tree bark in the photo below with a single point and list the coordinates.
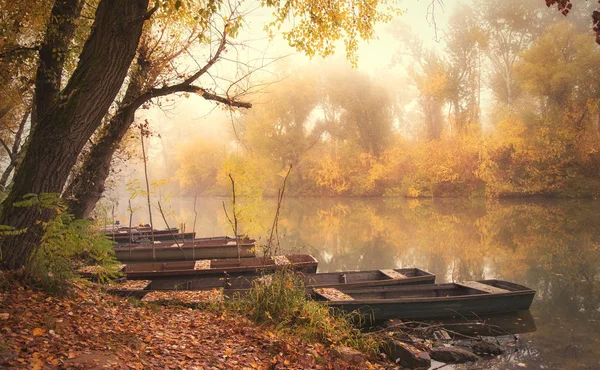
(71, 120)
(53, 51)
(87, 186)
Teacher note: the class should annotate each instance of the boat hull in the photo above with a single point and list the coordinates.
(349, 279)
(188, 270)
(124, 238)
(185, 251)
(429, 302)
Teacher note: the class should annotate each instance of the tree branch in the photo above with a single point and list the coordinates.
(19, 50)
(8, 151)
(186, 85)
(151, 11)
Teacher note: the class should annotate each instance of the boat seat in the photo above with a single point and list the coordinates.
(281, 261)
(393, 274)
(483, 287)
(202, 265)
(332, 294)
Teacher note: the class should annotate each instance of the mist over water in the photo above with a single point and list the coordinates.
(552, 246)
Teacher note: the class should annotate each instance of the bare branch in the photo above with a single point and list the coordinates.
(431, 14)
(19, 50)
(8, 151)
(151, 11)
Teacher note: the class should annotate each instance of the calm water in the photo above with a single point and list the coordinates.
(552, 246)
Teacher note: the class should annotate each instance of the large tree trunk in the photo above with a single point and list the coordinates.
(89, 183)
(53, 53)
(71, 120)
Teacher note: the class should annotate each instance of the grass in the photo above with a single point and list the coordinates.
(280, 300)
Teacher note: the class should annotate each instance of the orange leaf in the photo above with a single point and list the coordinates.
(37, 332)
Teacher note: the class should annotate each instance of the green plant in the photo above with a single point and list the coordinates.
(280, 300)
(66, 244)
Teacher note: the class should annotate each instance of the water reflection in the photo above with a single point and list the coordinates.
(552, 246)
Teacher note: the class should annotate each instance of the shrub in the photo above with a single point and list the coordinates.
(66, 245)
(280, 300)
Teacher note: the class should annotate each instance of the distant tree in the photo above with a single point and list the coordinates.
(359, 109)
(466, 45)
(561, 69)
(279, 127)
(510, 27)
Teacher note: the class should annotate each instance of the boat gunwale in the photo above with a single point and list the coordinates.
(309, 262)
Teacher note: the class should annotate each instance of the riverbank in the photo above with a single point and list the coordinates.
(89, 329)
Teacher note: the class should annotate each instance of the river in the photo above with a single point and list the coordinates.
(552, 246)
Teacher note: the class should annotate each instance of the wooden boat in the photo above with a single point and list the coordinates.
(240, 284)
(219, 267)
(110, 231)
(159, 235)
(347, 279)
(188, 250)
(212, 240)
(430, 301)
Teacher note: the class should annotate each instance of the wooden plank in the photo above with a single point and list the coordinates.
(483, 287)
(393, 274)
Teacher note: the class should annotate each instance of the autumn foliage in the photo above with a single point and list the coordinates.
(347, 134)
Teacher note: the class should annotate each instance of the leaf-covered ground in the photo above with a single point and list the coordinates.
(88, 329)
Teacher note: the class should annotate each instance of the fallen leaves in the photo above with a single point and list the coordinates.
(333, 294)
(132, 284)
(91, 329)
(185, 297)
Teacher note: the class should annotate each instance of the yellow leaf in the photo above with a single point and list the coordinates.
(228, 352)
(37, 364)
(37, 332)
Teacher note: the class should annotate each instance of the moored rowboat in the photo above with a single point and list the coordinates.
(240, 284)
(347, 279)
(219, 267)
(159, 235)
(198, 249)
(430, 301)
